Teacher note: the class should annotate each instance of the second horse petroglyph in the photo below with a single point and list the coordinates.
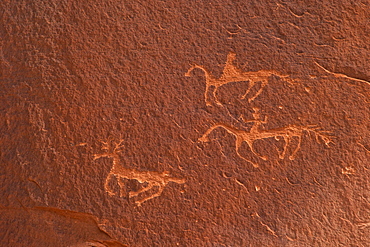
(233, 74)
(255, 133)
(153, 179)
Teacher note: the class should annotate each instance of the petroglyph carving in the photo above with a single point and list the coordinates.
(339, 75)
(255, 133)
(233, 74)
(153, 179)
(363, 225)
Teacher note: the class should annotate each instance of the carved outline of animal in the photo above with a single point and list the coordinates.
(287, 133)
(152, 178)
(233, 74)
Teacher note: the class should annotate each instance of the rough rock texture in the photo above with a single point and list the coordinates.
(95, 106)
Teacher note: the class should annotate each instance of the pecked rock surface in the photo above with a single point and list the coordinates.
(180, 123)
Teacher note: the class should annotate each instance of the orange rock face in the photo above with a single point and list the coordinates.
(180, 123)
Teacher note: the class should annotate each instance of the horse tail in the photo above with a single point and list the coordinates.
(320, 134)
(204, 137)
(197, 67)
(229, 129)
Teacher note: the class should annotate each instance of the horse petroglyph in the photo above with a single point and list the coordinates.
(233, 74)
(153, 179)
(255, 133)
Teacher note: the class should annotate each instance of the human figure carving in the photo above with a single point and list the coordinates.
(153, 179)
(255, 133)
(233, 74)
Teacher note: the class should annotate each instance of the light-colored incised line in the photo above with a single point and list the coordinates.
(339, 75)
(255, 133)
(360, 144)
(233, 74)
(269, 229)
(153, 179)
(363, 225)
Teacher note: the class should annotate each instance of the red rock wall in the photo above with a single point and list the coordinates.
(106, 142)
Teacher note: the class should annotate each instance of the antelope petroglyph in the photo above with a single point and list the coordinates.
(233, 74)
(255, 133)
(153, 179)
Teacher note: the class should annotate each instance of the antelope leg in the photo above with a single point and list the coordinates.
(136, 193)
(121, 186)
(158, 193)
(106, 187)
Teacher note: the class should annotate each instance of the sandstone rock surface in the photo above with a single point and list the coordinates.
(184, 123)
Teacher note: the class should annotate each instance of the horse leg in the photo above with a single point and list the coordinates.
(255, 152)
(263, 84)
(292, 157)
(215, 96)
(238, 144)
(285, 148)
(206, 92)
(251, 84)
